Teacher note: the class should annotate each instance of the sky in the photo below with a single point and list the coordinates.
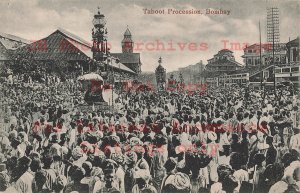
(193, 37)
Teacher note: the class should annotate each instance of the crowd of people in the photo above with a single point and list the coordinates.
(224, 140)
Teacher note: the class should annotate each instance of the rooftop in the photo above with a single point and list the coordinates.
(128, 58)
(62, 44)
(73, 37)
(14, 38)
(224, 62)
(294, 42)
(11, 42)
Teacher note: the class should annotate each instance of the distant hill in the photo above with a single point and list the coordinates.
(190, 73)
(146, 77)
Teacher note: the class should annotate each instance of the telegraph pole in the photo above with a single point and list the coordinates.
(113, 85)
(273, 49)
(260, 64)
(273, 35)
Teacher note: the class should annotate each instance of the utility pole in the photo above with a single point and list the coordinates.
(273, 49)
(260, 64)
(273, 35)
(113, 85)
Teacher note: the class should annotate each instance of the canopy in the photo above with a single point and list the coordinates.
(91, 76)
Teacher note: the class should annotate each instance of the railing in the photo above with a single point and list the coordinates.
(258, 70)
(287, 69)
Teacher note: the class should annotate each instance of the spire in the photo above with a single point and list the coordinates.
(159, 61)
(127, 32)
(160, 68)
(127, 43)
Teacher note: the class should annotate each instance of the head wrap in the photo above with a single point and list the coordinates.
(117, 157)
(143, 174)
(77, 153)
(289, 172)
(55, 150)
(87, 145)
(61, 181)
(180, 181)
(130, 157)
(64, 150)
(134, 141)
(180, 149)
(138, 149)
(2, 158)
(223, 171)
(212, 136)
(96, 171)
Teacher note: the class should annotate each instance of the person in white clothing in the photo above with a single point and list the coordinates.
(295, 140)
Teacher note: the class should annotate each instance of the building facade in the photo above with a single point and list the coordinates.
(290, 72)
(128, 57)
(223, 62)
(293, 51)
(252, 55)
(287, 70)
(68, 55)
(64, 52)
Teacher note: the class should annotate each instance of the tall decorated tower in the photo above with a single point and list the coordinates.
(127, 42)
(181, 85)
(99, 35)
(93, 83)
(160, 74)
(172, 83)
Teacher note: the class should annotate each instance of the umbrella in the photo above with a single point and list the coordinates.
(91, 76)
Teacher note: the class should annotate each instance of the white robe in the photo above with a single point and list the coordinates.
(295, 142)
